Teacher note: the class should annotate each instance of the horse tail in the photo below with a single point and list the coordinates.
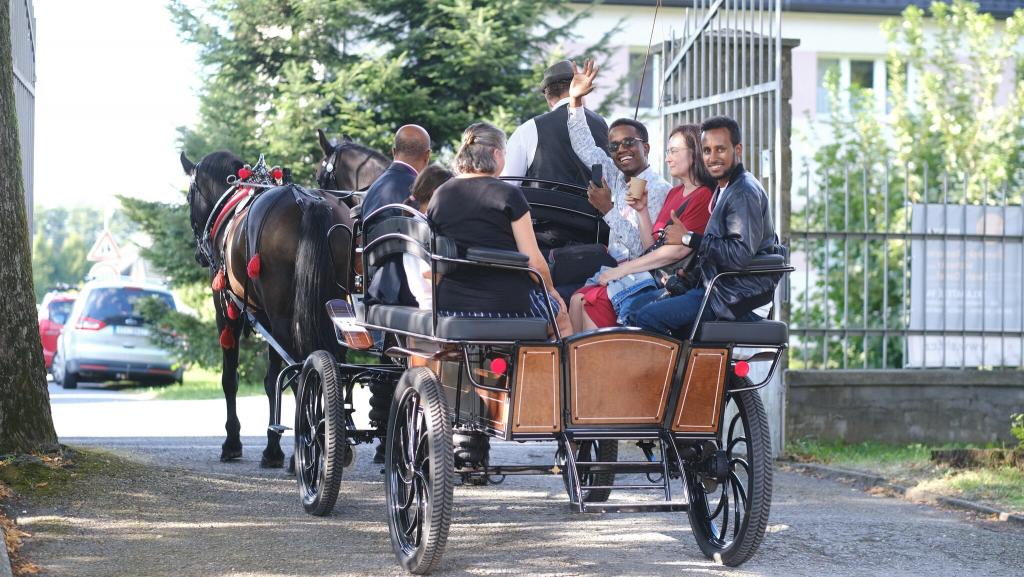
(313, 280)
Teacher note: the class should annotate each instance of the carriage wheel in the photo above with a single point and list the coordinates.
(420, 468)
(606, 451)
(730, 488)
(320, 440)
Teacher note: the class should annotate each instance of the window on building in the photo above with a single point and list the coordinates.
(825, 66)
(636, 71)
(862, 74)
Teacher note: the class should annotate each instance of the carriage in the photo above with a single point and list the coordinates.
(691, 405)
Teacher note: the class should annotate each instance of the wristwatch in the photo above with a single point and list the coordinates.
(687, 238)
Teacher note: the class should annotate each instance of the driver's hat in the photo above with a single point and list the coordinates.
(560, 71)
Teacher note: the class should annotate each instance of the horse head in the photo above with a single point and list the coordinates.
(348, 165)
(208, 181)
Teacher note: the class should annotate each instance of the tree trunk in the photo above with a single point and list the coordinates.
(25, 420)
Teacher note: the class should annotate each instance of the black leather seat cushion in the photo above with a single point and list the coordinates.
(414, 320)
(756, 333)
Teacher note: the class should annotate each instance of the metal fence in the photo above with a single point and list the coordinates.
(23, 50)
(899, 268)
(727, 59)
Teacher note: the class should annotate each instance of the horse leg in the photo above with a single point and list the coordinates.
(232, 447)
(273, 456)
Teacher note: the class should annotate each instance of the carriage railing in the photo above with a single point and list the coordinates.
(436, 259)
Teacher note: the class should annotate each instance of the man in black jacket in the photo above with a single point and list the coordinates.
(740, 227)
(412, 154)
(540, 147)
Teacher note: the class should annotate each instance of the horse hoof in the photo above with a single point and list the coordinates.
(271, 462)
(227, 455)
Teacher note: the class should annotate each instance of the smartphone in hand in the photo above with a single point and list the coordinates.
(596, 175)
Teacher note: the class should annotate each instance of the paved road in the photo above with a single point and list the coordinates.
(185, 513)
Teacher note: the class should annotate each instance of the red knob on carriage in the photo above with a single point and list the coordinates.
(741, 369)
(277, 173)
(244, 172)
(499, 366)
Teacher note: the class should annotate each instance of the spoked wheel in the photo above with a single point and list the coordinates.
(320, 440)
(420, 467)
(587, 451)
(730, 483)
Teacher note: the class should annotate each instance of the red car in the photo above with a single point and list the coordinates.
(52, 314)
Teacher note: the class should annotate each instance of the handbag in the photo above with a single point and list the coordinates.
(573, 265)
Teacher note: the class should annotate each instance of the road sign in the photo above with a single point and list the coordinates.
(104, 249)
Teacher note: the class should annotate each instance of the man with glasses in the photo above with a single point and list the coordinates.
(624, 159)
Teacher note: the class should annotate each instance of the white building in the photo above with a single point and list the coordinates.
(844, 35)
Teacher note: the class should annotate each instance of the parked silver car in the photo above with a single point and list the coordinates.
(106, 339)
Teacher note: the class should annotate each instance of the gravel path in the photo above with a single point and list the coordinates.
(183, 513)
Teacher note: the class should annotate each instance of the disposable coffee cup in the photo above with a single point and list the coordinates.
(637, 188)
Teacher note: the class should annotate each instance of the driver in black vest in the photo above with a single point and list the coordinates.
(540, 147)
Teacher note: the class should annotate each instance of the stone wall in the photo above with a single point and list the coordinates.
(909, 406)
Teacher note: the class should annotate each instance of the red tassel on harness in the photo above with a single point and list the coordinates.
(227, 338)
(244, 173)
(232, 311)
(253, 268)
(218, 283)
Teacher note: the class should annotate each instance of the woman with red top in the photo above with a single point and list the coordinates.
(590, 307)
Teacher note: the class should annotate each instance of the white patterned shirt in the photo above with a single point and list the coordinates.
(624, 242)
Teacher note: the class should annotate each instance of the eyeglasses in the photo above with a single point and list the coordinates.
(627, 142)
(674, 151)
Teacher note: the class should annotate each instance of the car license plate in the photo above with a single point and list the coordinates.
(131, 331)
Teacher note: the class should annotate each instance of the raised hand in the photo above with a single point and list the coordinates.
(582, 81)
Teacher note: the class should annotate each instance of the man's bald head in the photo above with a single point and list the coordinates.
(412, 146)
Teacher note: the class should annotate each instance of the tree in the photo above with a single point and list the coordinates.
(276, 71)
(62, 241)
(25, 421)
(946, 133)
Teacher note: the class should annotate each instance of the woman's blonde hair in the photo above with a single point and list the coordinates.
(476, 153)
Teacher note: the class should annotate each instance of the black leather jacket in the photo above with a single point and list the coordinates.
(740, 227)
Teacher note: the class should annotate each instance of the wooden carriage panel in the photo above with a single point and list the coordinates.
(620, 378)
(538, 391)
(700, 399)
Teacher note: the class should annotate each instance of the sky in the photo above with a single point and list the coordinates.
(113, 82)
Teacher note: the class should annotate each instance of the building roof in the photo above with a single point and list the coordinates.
(998, 8)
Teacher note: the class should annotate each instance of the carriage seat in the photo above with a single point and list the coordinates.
(418, 321)
(756, 333)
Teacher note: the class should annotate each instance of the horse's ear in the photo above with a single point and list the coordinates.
(346, 138)
(325, 145)
(187, 164)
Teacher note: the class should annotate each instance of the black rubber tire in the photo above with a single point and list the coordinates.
(70, 380)
(726, 533)
(419, 472)
(320, 450)
(606, 451)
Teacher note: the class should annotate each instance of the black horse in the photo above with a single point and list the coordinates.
(276, 257)
(348, 166)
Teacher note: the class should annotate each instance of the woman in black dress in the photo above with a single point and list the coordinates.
(476, 209)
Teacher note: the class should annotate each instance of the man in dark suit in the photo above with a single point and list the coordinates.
(412, 154)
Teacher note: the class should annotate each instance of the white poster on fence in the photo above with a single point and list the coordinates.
(967, 292)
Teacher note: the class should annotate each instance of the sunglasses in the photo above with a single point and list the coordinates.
(627, 142)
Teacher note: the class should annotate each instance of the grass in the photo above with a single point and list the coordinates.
(200, 384)
(911, 467)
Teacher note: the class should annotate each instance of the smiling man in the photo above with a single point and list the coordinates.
(628, 147)
(740, 228)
